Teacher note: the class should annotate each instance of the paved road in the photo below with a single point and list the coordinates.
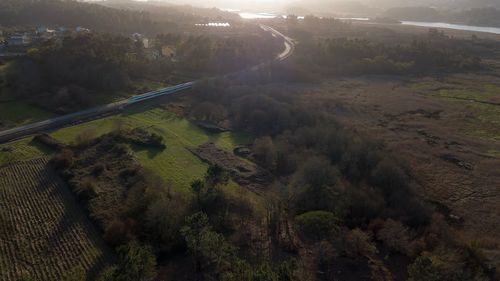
(114, 108)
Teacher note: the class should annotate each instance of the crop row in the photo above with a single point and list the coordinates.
(45, 233)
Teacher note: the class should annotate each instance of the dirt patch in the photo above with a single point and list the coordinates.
(244, 172)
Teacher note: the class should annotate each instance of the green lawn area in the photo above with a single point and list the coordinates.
(485, 122)
(175, 164)
(20, 113)
(483, 93)
(483, 119)
(15, 113)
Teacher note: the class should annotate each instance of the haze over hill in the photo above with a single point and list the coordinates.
(342, 5)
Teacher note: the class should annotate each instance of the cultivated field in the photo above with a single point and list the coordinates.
(45, 235)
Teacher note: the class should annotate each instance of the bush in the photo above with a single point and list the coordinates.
(317, 225)
(424, 268)
(63, 160)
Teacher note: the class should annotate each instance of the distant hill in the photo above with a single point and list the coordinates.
(414, 14)
(164, 11)
(334, 7)
(73, 14)
(481, 17)
(476, 16)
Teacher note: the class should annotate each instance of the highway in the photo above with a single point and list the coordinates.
(117, 107)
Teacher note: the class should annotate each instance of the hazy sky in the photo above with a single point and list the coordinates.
(335, 6)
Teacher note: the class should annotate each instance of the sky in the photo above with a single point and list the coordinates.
(363, 6)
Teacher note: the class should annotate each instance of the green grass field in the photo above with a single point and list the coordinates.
(176, 164)
(483, 118)
(20, 113)
(15, 113)
(484, 93)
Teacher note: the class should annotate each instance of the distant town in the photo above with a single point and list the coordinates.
(17, 43)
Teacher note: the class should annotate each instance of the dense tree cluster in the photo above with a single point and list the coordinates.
(72, 14)
(360, 56)
(211, 55)
(352, 203)
(72, 73)
(91, 68)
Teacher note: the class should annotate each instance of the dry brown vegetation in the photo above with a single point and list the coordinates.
(454, 162)
(44, 233)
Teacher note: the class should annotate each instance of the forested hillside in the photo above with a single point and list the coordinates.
(73, 14)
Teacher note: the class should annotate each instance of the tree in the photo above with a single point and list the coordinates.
(164, 218)
(390, 177)
(212, 255)
(322, 190)
(216, 175)
(265, 152)
(197, 187)
(317, 225)
(135, 263)
(358, 244)
(396, 236)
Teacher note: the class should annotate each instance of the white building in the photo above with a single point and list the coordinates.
(18, 40)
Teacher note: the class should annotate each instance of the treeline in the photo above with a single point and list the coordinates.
(74, 73)
(73, 14)
(351, 203)
(205, 55)
(164, 11)
(437, 53)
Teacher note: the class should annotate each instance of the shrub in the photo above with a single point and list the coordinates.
(116, 233)
(424, 268)
(63, 160)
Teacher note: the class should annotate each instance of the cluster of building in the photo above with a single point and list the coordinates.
(151, 49)
(40, 34)
(15, 43)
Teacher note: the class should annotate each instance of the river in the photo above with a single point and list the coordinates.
(494, 30)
